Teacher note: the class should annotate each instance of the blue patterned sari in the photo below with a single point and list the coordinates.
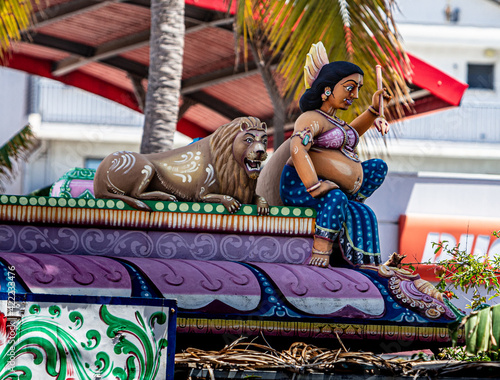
(342, 218)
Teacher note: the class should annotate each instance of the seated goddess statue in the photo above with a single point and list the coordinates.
(323, 170)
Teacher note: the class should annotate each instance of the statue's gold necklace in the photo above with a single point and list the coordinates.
(332, 117)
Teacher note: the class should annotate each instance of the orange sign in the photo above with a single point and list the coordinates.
(417, 233)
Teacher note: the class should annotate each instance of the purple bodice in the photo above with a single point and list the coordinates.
(335, 138)
(339, 138)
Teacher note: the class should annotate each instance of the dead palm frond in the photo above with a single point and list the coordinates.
(16, 149)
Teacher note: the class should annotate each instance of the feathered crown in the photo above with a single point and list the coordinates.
(315, 60)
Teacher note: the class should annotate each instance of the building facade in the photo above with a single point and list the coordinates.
(75, 128)
(461, 38)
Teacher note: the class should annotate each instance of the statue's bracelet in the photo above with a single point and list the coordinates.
(373, 110)
(314, 187)
(305, 135)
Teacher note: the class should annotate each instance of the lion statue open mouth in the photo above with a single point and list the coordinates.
(221, 168)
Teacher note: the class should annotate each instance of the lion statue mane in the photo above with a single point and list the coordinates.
(233, 178)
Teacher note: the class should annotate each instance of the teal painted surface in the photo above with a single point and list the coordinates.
(85, 340)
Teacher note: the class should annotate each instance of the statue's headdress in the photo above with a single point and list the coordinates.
(315, 60)
(321, 76)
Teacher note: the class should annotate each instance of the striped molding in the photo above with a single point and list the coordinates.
(185, 216)
(325, 329)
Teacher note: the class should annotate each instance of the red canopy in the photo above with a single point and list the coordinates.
(441, 90)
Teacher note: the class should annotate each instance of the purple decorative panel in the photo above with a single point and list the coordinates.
(197, 284)
(233, 247)
(169, 245)
(77, 275)
(327, 291)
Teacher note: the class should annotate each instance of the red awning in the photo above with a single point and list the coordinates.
(440, 89)
(437, 82)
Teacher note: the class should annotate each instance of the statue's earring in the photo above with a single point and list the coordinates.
(326, 94)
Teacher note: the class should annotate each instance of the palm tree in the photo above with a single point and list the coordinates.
(15, 15)
(360, 31)
(357, 30)
(165, 73)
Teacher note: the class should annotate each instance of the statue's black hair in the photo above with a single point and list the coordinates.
(329, 76)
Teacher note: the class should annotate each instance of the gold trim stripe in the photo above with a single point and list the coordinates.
(316, 329)
(174, 221)
(269, 225)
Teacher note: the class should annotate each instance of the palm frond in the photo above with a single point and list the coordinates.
(360, 31)
(16, 149)
(346, 19)
(15, 15)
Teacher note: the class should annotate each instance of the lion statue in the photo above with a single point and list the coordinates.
(221, 168)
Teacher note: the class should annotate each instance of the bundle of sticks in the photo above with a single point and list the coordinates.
(303, 358)
(299, 358)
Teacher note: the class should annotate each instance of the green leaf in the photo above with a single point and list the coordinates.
(17, 148)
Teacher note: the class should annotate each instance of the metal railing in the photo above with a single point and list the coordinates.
(467, 123)
(59, 103)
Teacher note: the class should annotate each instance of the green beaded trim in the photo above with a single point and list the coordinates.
(183, 207)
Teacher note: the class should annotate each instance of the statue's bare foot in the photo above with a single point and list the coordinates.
(320, 258)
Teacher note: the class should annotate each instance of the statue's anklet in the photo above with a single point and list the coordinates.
(318, 252)
(320, 261)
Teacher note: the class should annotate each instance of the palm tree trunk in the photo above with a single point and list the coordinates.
(280, 103)
(165, 73)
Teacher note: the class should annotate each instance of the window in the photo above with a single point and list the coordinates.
(480, 76)
(92, 163)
